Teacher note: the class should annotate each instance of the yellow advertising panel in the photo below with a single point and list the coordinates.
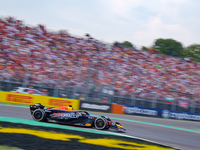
(28, 99)
(8, 97)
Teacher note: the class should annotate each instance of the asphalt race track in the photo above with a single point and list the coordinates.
(184, 135)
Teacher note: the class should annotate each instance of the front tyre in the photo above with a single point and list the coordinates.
(100, 123)
(39, 115)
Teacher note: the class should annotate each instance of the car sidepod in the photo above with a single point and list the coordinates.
(71, 118)
(60, 115)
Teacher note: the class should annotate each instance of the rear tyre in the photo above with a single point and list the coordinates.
(100, 123)
(39, 115)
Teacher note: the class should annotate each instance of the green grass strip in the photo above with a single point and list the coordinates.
(9, 148)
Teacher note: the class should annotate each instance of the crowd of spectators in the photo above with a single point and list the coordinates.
(36, 55)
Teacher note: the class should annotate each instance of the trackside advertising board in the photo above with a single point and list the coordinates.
(142, 111)
(27, 99)
(161, 113)
(95, 106)
(179, 115)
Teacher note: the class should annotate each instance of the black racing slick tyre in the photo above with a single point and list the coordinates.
(100, 123)
(39, 115)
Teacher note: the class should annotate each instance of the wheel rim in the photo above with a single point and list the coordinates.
(38, 115)
(100, 123)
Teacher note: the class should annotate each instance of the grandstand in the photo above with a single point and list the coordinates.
(34, 56)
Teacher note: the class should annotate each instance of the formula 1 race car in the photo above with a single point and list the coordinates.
(66, 115)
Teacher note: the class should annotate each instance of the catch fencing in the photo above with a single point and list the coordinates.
(94, 95)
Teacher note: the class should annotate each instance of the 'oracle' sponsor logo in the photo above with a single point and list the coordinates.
(95, 106)
(19, 99)
(57, 102)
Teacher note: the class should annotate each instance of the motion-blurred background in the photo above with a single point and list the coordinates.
(53, 62)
